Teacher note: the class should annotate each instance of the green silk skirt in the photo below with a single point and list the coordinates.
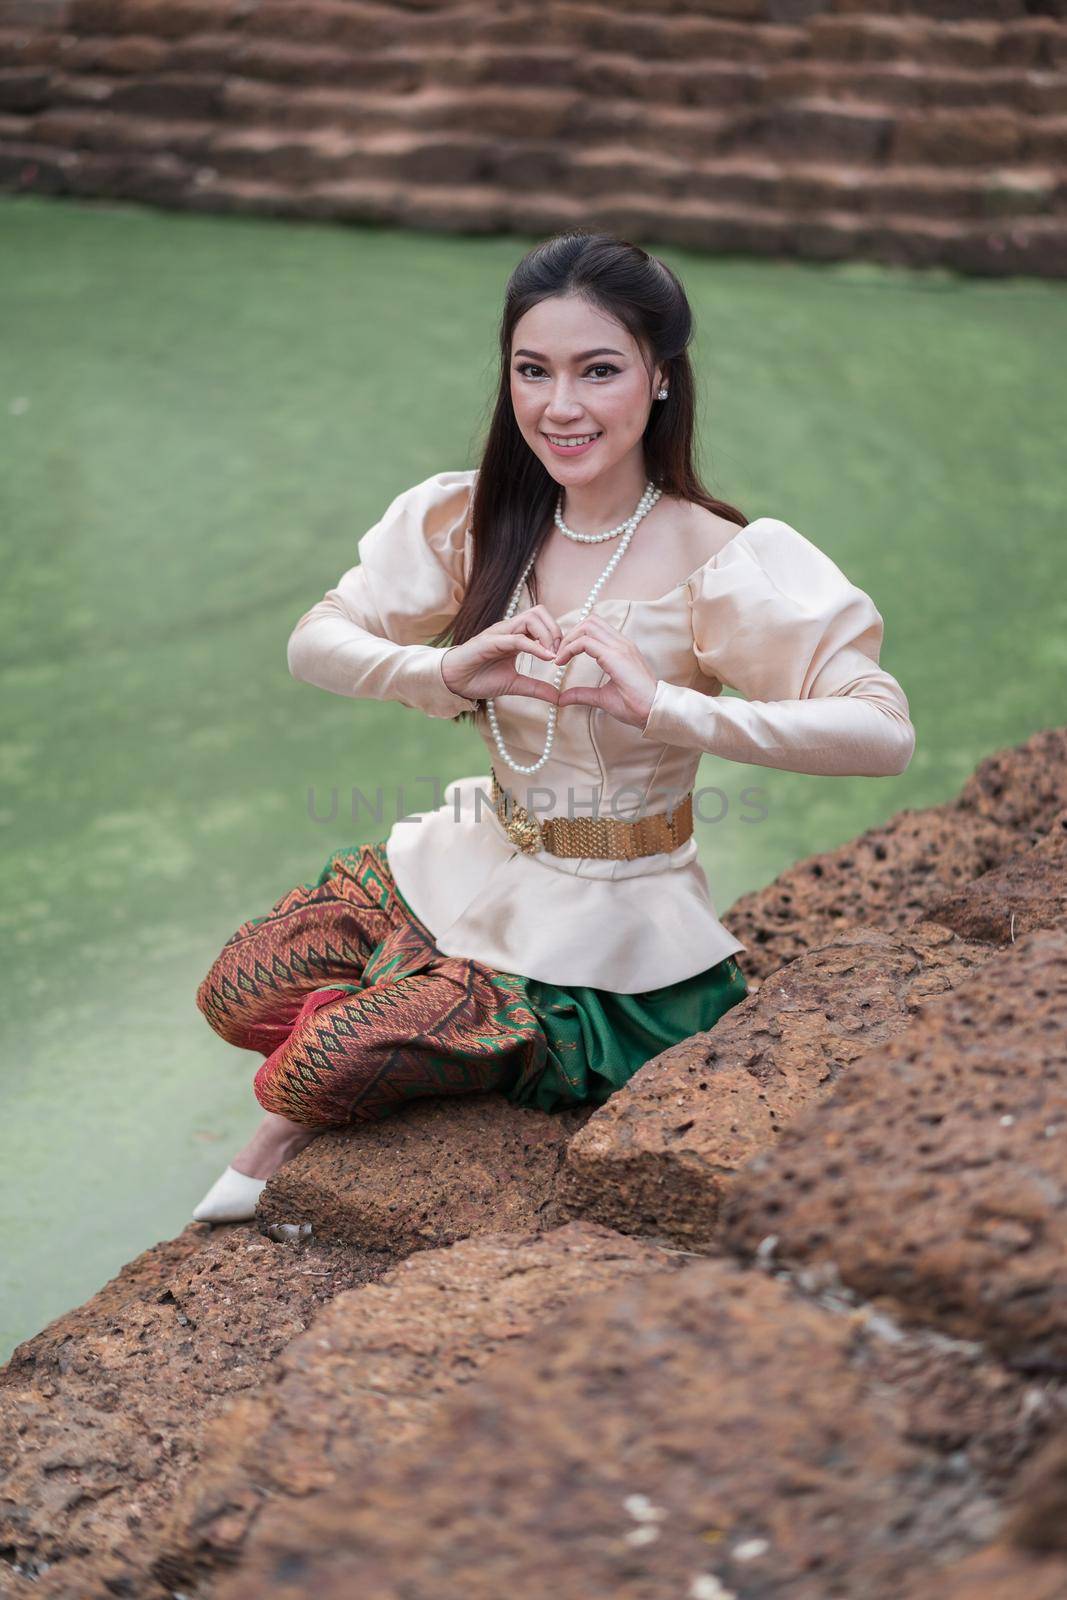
(596, 1039)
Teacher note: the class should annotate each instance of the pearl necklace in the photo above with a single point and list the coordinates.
(628, 529)
(596, 538)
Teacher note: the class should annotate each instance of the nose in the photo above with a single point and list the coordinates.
(563, 402)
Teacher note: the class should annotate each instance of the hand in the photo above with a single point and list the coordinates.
(631, 688)
(484, 667)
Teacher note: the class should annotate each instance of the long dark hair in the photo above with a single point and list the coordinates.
(514, 493)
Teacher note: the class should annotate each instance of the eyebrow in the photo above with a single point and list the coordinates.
(605, 350)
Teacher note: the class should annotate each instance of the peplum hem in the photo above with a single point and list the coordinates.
(556, 920)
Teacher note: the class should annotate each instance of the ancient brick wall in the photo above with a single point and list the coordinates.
(917, 132)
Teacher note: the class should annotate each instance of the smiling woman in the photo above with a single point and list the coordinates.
(547, 943)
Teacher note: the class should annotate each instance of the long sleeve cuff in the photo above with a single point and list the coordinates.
(422, 674)
(335, 654)
(826, 735)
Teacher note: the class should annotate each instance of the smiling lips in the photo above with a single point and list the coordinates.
(571, 443)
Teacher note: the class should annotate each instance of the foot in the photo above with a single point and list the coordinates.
(275, 1141)
(231, 1198)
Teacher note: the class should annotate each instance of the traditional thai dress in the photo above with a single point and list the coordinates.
(451, 956)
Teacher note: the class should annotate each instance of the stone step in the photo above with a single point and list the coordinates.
(875, 114)
(956, 1130)
(811, 129)
(957, 10)
(1021, 787)
(102, 1413)
(895, 874)
(709, 1431)
(1027, 892)
(665, 1155)
(661, 1158)
(803, 188)
(1036, 244)
(373, 1371)
(1037, 42)
(438, 1170)
(162, 68)
(650, 28)
(1033, 42)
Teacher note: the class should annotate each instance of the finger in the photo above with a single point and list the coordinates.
(585, 696)
(544, 615)
(544, 628)
(515, 636)
(534, 627)
(604, 651)
(593, 628)
(532, 689)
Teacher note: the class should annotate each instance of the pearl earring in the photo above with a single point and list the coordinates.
(662, 395)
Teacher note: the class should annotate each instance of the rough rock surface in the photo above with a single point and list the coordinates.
(433, 1172)
(101, 1413)
(1026, 892)
(372, 1371)
(1029, 1556)
(957, 1132)
(708, 1425)
(899, 873)
(885, 878)
(658, 1159)
(1021, 788)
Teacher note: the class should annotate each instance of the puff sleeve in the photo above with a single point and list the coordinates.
(776, 619)
(366, 637)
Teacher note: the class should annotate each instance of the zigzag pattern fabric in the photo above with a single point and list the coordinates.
(343, 991)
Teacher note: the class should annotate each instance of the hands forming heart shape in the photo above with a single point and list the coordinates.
(484, 667)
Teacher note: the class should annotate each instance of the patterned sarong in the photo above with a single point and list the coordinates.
(343, 991)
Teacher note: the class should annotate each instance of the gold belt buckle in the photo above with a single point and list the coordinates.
(524, 832)
(522, 829)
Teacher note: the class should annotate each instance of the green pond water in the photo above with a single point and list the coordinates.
(198, 418)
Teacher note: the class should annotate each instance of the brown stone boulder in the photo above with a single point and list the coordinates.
(435, 1171)
(658, 1157)
(1027, 891)
(933, 1180)
(900, 872)
(1022, 788)
(101, 1414)
(373, 1370)
(707, 1431)
(1000, 1573)
(885, 878)
(1029, 1557)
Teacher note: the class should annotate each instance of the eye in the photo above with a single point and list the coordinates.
(601, 366)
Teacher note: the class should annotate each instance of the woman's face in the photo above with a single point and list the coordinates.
(574, 372)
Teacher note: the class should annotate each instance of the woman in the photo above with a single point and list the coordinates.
(547, 928)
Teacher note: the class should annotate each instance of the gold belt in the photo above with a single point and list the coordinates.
(605, 837)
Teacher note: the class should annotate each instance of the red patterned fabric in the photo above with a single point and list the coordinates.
(342, 989)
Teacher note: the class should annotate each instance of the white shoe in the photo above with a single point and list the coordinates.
(231, 1198)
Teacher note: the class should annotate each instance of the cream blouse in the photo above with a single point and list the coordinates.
(769, 615)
